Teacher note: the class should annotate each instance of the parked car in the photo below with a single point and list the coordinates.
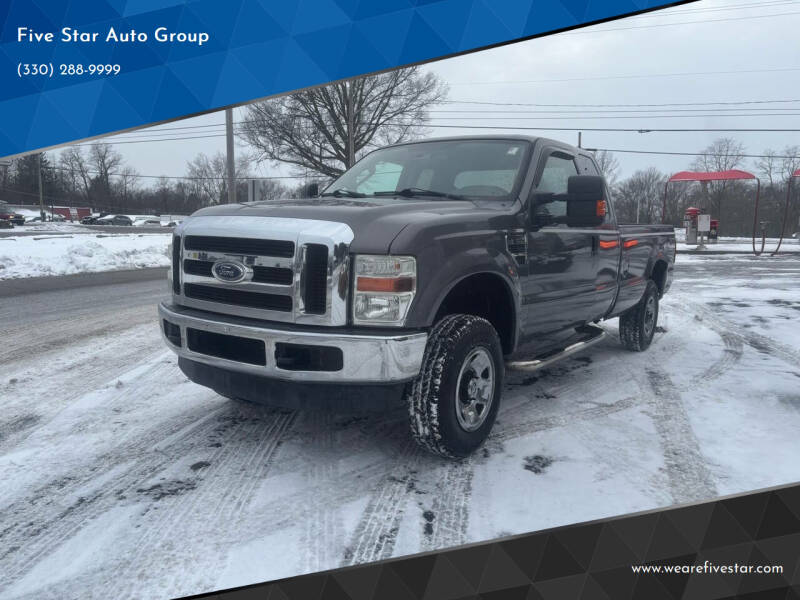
(91, 220)
(421, 273)
(122, 220)
(147, 222)
(11, 218)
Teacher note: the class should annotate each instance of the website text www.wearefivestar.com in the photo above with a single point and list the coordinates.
(710, 568)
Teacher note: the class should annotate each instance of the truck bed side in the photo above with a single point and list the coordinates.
(648, 252)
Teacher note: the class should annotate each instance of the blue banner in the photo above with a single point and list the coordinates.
(70, 70)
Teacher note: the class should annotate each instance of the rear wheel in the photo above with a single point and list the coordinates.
(453, 402)
(637, 326)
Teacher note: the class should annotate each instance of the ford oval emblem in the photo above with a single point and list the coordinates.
(229, 271)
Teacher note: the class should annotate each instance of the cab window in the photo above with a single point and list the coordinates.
(551, 203)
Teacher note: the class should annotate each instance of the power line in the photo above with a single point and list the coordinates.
(664, 153)
(135, 175)
(516, 128)
(657, 25)
(573, 116)
(706, 9)
(788, 111)
(164, 130)
(635, 76)
(506, 127)
(576, 117)
(620, 130)
(722, 103)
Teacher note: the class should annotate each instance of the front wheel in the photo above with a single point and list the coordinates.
(454, 400)
(638, 324)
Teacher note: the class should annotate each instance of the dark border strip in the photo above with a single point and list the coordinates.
(593, 558)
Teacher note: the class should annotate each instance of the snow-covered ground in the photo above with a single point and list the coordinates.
(739, 244)
(121, 479)
(36, 256)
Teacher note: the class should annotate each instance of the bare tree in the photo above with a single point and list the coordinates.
(75, 165)
(104, 160)
(207, 176)
(769, 167)
(609, 166)
(126, 184)
(722, 154)
(327, 129)
(640, 197)
(270, 189)
(791, 161)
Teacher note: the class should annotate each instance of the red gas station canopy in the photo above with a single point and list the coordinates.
(714, 175)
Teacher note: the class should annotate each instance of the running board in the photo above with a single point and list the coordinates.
(596, 335)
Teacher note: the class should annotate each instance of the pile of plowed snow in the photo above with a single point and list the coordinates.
(37, 256)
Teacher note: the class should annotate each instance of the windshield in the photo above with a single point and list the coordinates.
(480, 169)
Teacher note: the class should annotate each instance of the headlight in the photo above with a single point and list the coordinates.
(385, 287)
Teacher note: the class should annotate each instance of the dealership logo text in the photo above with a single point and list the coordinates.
(69, 34)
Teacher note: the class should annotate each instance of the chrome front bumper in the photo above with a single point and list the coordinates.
(366, 358)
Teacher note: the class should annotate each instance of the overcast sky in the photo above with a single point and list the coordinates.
(710, 51)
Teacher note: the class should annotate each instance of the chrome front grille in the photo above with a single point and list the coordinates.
(296, 268)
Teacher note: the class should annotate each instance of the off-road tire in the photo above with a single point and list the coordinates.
(636, 329)
(431, 397)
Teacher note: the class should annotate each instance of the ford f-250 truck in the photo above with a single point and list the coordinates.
(421, 273)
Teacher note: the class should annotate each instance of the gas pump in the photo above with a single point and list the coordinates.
(696, 226)
(713, 234)
(690, 225)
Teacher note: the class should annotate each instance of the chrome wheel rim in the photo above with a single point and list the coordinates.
(475, 389)
(650, 316)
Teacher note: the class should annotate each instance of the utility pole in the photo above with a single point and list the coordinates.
(351, 142)
(580, 136)
(41, 193)
(231, 173)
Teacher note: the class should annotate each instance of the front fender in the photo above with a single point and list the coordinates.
(440, 270)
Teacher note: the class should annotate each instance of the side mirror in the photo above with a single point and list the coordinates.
(586, 205)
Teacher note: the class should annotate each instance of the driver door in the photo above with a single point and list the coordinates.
(558, 292)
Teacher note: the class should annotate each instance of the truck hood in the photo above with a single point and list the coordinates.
(376, 222)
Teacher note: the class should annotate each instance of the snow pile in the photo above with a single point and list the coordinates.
(59, 226)
(37, 256)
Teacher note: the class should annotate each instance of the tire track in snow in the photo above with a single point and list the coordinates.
(47, 386)
(41, 523)
(375, 535)
(544, 423)
(688, 475)
(445, 524)
(757, 341)
(731, 354)
(217, 502)
(376, 532)
(323, 533)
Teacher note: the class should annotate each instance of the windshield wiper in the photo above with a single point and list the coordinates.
(411, 192)
(343, 192)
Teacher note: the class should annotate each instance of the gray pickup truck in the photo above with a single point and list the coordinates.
(419, 275)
